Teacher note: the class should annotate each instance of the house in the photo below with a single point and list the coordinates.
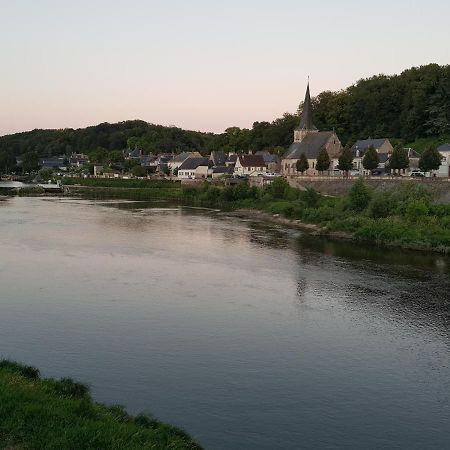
(310, 141)
(136, 153)
(221, 171)
(382, 146)
(272, 161)
(194, 167)
(218, 158)
(231, 160)
(444, 169)
(177, 160)
(55, 162)
(78, 159)
(250, 165)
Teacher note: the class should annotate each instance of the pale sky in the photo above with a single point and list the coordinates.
(199, 64)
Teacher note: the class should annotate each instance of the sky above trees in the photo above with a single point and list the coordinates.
(200, 65)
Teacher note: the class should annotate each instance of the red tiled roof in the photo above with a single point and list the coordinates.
(252, 161)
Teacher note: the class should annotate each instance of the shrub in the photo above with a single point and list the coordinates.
(416, 209)
(311, 197)
(25, 371)
(359, 195)
(279, 188)
(381, 205)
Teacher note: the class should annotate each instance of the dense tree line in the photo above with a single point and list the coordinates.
(409, 106)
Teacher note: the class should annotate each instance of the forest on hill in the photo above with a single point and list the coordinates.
(411, 107)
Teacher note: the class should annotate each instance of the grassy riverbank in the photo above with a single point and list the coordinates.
(405, 217)
(38, 413)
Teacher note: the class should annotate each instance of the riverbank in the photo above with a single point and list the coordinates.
(37, 413)
(405, 217)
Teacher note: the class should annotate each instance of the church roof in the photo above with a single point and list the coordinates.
(306, 121)
(310, 146)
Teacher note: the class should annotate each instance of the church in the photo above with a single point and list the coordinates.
(310, 141)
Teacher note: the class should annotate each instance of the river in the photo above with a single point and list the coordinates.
(249, 336)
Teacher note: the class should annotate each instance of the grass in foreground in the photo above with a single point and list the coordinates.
(49, 414)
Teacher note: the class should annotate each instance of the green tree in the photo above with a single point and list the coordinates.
(346, 160)
(302, 164)
(30, 162)
(399, 159)
(430, 159)
(7, 162)
(279, 188)
(138, 171)
(371, 159)
(323, 160)
(359, 195)
(45, 174)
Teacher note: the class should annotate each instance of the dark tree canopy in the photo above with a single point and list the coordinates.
(371, 159)
(346, 160)
(431, 159)
(399, 159)
(323, 160)
(302, 164)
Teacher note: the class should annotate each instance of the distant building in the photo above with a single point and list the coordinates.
(55, 162)
(221, 171)
(444, 169)
(78, 159)
(250, 165)
(177, 160)
(382, 146)
(310, 141)
(231, 160)
(194, 167)
(218, 158)
(272, 161)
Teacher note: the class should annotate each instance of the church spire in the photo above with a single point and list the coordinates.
(306, 122)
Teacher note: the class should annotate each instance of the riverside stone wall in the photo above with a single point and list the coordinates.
(439, 187)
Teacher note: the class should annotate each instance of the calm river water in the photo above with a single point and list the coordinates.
(249, 336)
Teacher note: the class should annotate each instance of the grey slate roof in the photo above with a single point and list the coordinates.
(306, 121)
(310, 146)
(223, 169)
(364, 144)
(444, 148)
(268, 157)
(181, 157)
(193, 163)
(218, 157)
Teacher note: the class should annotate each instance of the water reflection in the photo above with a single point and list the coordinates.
(248, 335)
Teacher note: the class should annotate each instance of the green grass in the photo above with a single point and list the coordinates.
(49, 414)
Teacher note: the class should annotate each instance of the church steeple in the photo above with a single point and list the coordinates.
(306, 122)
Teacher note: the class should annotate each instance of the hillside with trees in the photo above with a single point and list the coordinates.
(411, 107)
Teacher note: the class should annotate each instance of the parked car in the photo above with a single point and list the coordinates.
(417, 173)
(354, 173)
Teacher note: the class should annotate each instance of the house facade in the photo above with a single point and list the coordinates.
(250, 165)
(444, 169)
(382, 146)
(194, 167)
(308, 140)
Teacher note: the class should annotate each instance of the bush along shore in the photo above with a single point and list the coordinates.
(37, 413)
(405, 217)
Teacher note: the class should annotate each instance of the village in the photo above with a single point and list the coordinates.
(313, 153)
